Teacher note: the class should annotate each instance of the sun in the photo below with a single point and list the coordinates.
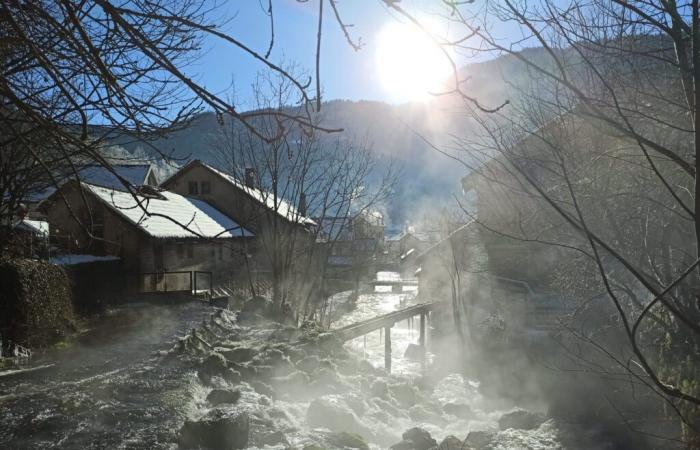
(409, 64)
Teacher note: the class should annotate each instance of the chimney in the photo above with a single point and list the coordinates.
(250, 177)
(302, 204)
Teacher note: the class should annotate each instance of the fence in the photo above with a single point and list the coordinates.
(195, 282)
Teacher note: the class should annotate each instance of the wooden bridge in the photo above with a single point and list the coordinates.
(396, 285)
(385, 322)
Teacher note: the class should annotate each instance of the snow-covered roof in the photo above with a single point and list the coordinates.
(267, 199)
(70, 259)
(135, 174)
(38, 227)
(170, 214)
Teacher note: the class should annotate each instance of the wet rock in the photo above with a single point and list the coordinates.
(293, 381)
(217, 430)
(347, 440)
(388, 407)
(332, 413)
(478, 440)
(451, 443)
(232, 376)
(270, 357)
(240, 354)
(262, 388)
(414, 352)
(458, 409)
(403, 445)
(381, 416)
(325, 376)
(274, 438)
(404, 393)
(295, 354)
(313, 447)
(365, 366)
(356, 403)
(309, 364)
(379, 389)
(214, 364)
(221, 396)
(419, 413)
(521, 419)
(420, 439)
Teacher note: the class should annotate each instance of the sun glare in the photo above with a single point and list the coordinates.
(409, 64)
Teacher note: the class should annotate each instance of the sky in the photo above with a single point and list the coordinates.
(345, 73)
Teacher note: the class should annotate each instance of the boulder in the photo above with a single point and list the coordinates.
(414, 352)
(262, 388)
(273, 438)
(379, 389)
(403, 445)
(213, 365)
(419, 413)
(347, 440)
(331, 412)
(404, 393)
(478, 440)
(388, 407)
(221, 396)
(313, 447)
(521, 419)
(219, 429)
(460, 410)
(240, 354)
(420, 439)
(451, 443)
(309, 364)
(232, 376)
(294, 381)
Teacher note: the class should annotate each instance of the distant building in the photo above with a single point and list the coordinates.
(154, 233)
(352, 245)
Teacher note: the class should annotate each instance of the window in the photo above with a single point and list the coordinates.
(192, 188)
(190, 251)
(180, 251)
(206, 187)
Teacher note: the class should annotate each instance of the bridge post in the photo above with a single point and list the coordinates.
(387, 349)
(421, 336)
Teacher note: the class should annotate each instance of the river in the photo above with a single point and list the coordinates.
(114, 388)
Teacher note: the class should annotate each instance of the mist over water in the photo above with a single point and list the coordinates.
(120, 388)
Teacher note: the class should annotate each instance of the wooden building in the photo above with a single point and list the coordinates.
(155, 232)
(278, 225)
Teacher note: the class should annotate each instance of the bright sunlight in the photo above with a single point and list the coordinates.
(409, 64)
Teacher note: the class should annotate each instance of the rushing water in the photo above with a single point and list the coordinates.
(115, 389)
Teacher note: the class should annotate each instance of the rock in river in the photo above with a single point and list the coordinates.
(222, 396)
(521, 419)
(415, 439)
(331, 412)
(219, 429)
(451, 443)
